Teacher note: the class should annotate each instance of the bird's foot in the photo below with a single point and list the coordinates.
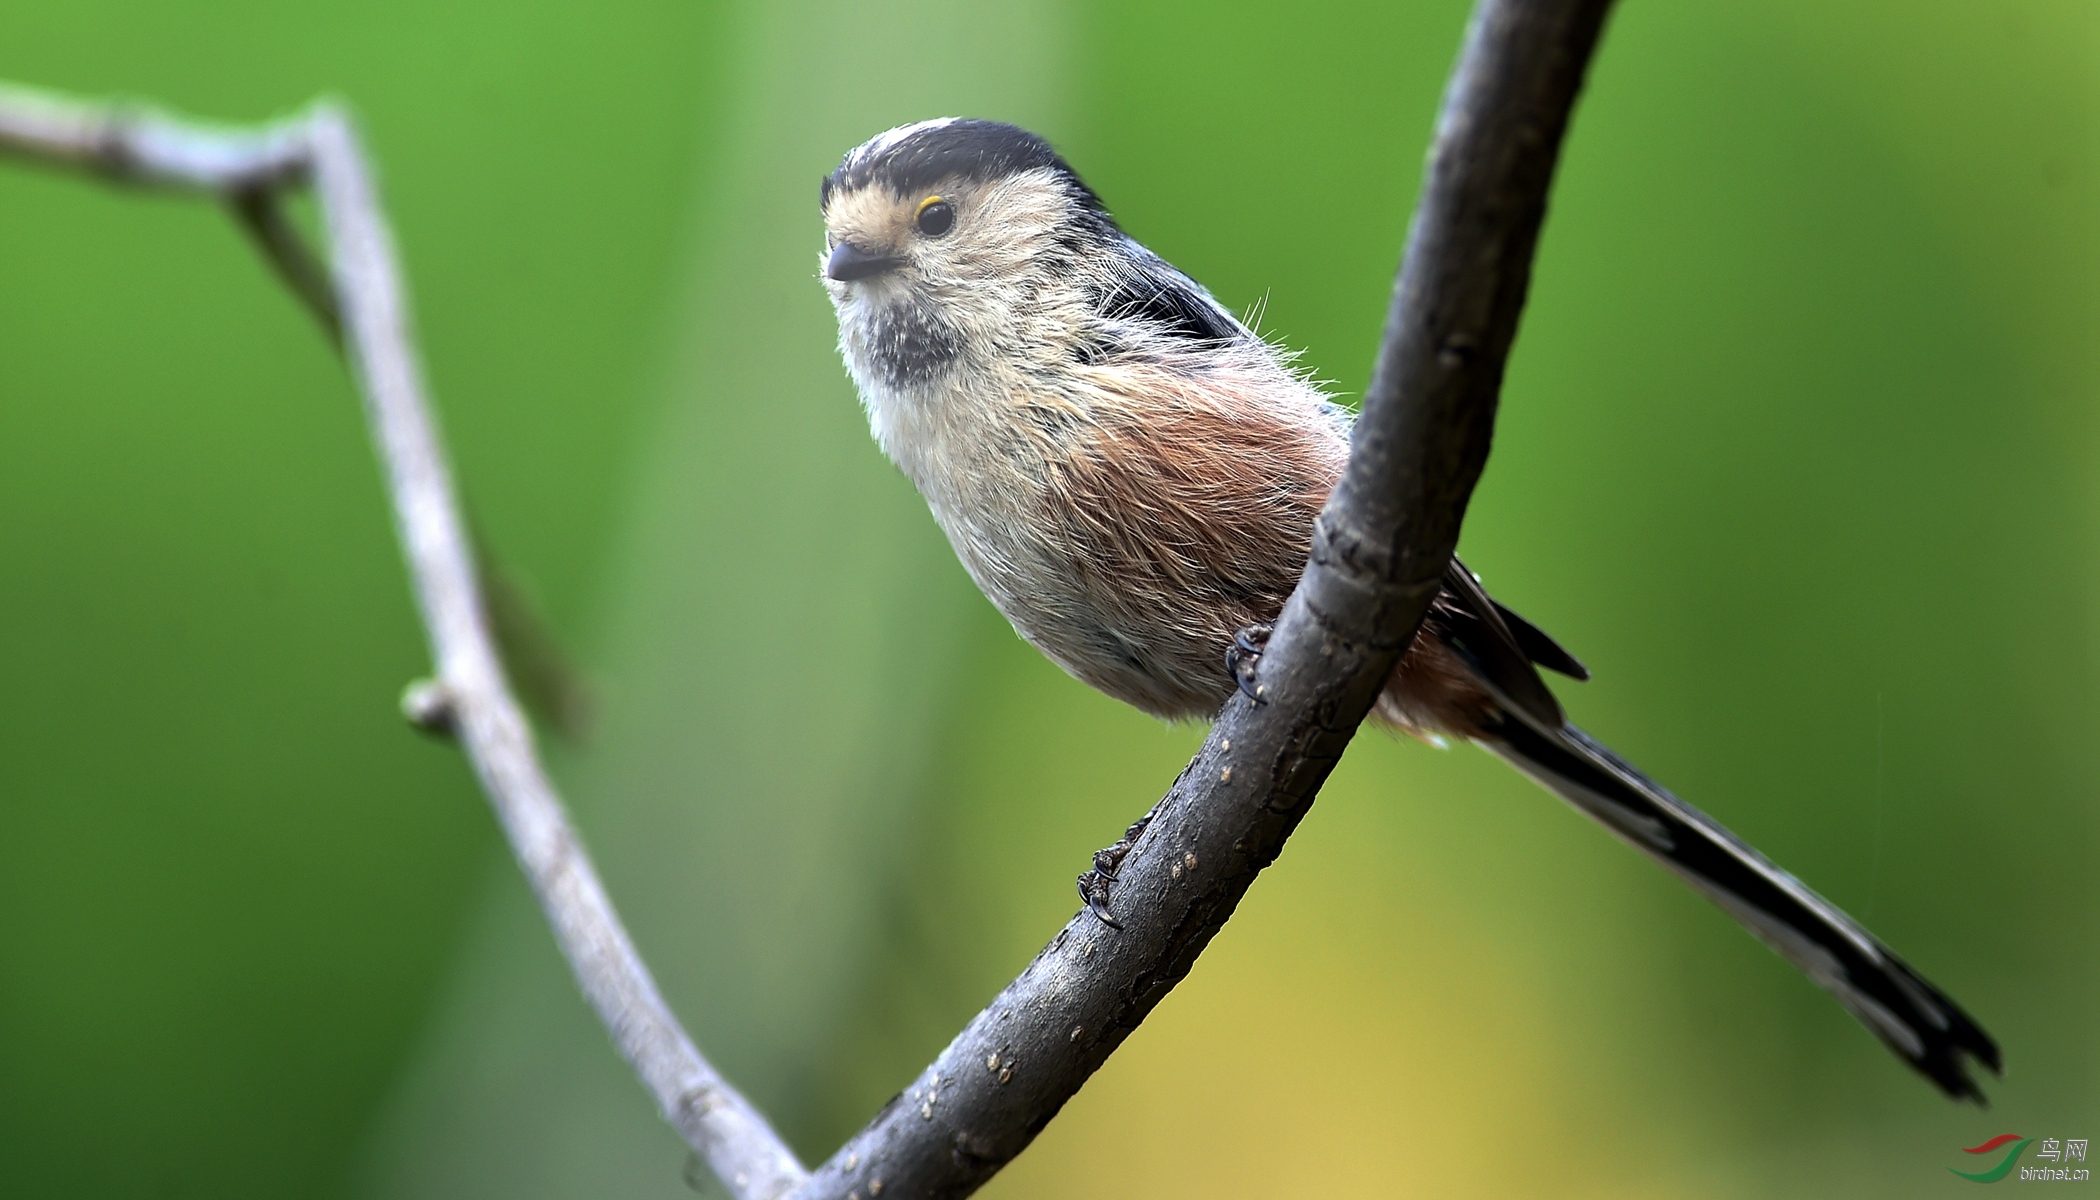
(1244, 655)
(1095, 884)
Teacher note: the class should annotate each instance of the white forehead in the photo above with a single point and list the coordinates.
(881, 143)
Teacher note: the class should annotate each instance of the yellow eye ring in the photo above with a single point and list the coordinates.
(935, 216)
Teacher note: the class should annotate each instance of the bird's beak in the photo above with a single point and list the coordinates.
(849, 261)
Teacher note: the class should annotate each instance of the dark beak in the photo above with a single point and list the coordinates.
(849, 261)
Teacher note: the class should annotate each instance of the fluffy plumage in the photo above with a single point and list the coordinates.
(1131, 476)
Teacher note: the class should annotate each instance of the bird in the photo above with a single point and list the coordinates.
(1130, 474)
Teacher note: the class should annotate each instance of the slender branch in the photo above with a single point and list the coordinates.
(135, 144)
(1380, 548)
(469, 696)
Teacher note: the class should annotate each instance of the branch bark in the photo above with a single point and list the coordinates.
(1379, 552)
(360, 302)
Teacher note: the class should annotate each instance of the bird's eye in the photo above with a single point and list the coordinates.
(936, 216)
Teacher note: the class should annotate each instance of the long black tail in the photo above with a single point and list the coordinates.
(1914, 1019)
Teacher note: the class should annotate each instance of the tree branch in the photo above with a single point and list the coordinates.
(1379, 552)
(361, 303)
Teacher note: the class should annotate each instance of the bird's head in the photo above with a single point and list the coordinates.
(940, 235)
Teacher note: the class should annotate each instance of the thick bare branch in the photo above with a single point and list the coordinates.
(469, 696)
(1380, 548)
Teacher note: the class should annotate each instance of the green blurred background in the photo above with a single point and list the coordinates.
(1798, 451)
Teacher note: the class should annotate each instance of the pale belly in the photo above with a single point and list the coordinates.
(1154, 650)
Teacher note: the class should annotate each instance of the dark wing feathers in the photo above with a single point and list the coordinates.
(1472, 624)
(1541, 648)
(1149, 291)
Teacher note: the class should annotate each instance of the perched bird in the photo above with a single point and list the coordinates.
(1131, 476)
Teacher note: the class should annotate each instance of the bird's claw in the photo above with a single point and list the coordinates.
(1094, 885)
(1244, 655)
(1093, 888)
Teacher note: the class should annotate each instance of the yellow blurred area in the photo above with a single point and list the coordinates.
(1311, 1053)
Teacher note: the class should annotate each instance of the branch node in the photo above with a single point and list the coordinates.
(429, 706)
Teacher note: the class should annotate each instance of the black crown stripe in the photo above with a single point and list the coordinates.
(974, 150)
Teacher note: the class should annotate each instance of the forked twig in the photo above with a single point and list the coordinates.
(360, 301)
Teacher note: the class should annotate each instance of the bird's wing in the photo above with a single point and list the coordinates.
(1149, 291)
(1468, 621)
(1540, 648)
